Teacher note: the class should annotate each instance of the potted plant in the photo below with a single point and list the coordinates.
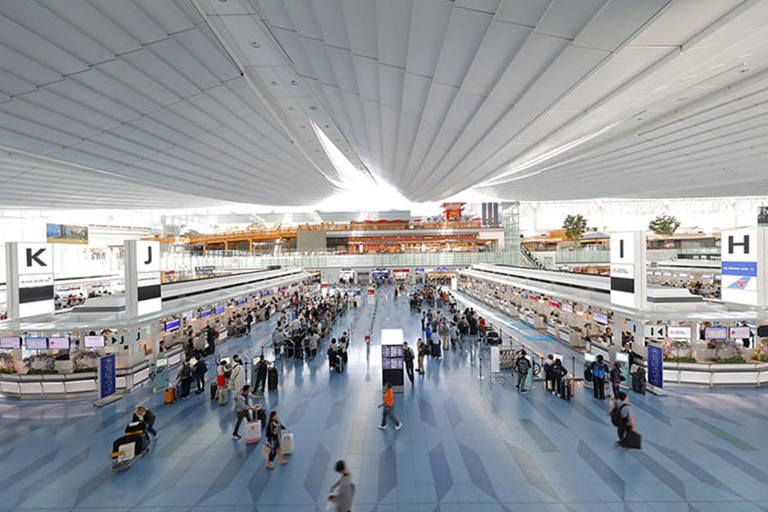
(39, 364)
(678, 351)
(7, 363)
(727, 351)
(761, 354)
(85, 361)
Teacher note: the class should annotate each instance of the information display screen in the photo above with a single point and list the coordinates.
(93, 341)
(205, 313)
(392, 363)
(716, 333)
(10, 343)
(567, 308)
(58, 343)
(240, 302)
(679, 332)
(739, 333)
(600, 318)
(762, 331)
(219, 310)
(36, 343)
(172, 325)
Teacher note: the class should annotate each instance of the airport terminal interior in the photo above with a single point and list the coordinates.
(383, 255)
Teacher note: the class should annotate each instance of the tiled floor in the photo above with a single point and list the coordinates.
(466, 445)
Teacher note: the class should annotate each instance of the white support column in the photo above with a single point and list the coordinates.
(628, 272)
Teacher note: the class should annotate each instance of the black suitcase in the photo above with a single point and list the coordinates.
(638, 384)
(214, 388)
(272, 378)
(261, 415)
(632, 440)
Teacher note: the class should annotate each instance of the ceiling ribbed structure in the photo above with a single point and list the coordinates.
(190, 102)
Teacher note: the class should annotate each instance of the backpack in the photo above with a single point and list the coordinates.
(228, 371)
(186, 372)
(523, 365)
(598, 370)
(616, 417)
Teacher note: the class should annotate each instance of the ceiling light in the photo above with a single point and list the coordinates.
(255, 44)
(312, 107)
(223, 1)
(273, 82)
(294, 82)
(744, 71)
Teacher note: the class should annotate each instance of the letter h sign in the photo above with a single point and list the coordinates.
(744, 244)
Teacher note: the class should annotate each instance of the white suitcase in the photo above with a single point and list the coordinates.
(253, 432)
(287, 444)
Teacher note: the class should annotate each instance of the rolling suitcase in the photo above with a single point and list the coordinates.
(253, 432)
(214, 389)
(223, 395)
(287, 444)
(567, 389)
(272, 378)
(169, 395)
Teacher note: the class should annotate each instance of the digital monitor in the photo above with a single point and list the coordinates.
(205, 313)
(10, 343)
(762, 331)
(36, 343)
(567, 308)
(385, 351)
(523, 295)
(219, 310)
(679, 332)
(240, 302)
(716, 333)
(93, 341)
(58, 343)
(396, 351)
(249, 299)
(600, 318)
(172, 325)
(739, 333)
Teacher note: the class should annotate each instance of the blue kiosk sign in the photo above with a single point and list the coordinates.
(106, 376)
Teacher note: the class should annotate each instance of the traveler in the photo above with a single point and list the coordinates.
(277, 341)
(388, 403)
(274, 438)
(522, 365)
(261, 375)
(223, 372)
(237, 377)
(343, 490)
(599, 369)
(201, 368)
(210, 337)
(436, 340)
(558, 373)
(550, 382)
(408, 360)
(147, 417)
(185, 376)
(616, 378)
(243, 408)
(622, 417)
(423, 350)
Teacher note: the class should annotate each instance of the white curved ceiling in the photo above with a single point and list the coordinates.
(524, 99)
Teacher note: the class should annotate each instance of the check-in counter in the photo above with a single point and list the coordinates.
(564, 334)
(552, 329)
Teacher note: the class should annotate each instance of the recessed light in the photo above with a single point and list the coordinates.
(744, 71)
(312, 107)
(303, 127)
(223, 1)
(273, 82)
(255, 44)
(294, 82)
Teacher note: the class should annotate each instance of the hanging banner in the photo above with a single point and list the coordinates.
(655, 366)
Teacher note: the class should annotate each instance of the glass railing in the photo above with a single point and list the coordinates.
(583, 256)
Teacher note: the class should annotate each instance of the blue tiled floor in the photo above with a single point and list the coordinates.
(466, 445)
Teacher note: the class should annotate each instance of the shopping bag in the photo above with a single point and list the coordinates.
(253, 432)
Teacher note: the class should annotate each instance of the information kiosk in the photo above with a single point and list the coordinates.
(392, 359)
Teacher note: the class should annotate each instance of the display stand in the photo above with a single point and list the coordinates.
(623, 359)
(392, 359)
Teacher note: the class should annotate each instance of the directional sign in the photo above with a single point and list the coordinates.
(29, 274)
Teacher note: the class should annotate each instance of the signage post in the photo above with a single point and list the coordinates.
(628, 261)
(655, 366)
(106, 382)
(29, 278)
(743, 256)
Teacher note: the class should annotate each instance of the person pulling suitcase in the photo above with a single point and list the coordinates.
(523, 366)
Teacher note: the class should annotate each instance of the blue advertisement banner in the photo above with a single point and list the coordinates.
(656, 366)
(739, 268)
(107, 385)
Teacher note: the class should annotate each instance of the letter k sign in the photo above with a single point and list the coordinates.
(35, 257)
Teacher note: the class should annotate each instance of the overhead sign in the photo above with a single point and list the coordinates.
(142, 277)
(679, 333)
(29, 274)
(740, 255)
(628, 257)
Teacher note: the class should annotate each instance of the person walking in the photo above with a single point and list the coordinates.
(343, 490)
(616, 378)
(201, 368)
(388, 403)
(261, 375)
(523, 365)
(423, 350)
(243, 408)
(599, 369)
(622, 417)
(274, 438)
(408, 360)
(550, 382)
(147, 417)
